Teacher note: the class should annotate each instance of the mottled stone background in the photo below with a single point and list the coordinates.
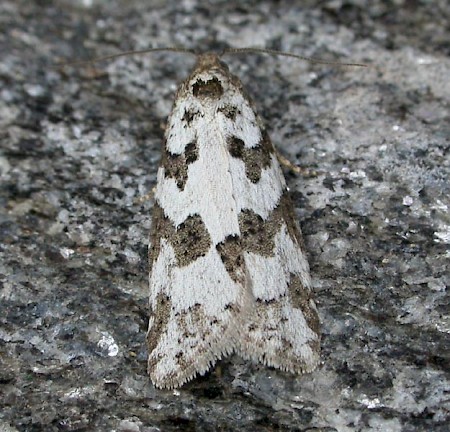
(79, 145)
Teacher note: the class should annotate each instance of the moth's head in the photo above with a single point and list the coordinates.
(209, 77)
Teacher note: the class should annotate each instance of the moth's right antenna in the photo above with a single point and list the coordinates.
(286, 54)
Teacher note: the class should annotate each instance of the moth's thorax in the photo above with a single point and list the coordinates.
(209, 61)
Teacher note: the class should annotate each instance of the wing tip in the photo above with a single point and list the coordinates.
(172, 378)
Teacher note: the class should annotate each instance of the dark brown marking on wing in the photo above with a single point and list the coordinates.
(256, 158)
(161, 316)
(190, 240)
(230, 251)
(176, 166)
(302, 299)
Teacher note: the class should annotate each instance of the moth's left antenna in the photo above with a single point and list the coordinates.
(127, 53)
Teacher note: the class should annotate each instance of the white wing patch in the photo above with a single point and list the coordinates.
(278, 333)
(227, 270)
(198, 319)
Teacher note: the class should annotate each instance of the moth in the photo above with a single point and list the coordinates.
(228, 272)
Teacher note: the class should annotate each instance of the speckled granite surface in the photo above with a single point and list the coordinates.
(78, 147)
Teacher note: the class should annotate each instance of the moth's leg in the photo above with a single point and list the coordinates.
(305, 172)
(146, 197)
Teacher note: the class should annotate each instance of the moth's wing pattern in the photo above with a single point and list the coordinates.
(227, 268)
(198, 298)
(283, 328)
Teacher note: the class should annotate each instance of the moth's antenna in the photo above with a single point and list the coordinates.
(127, 53)
(286, 54)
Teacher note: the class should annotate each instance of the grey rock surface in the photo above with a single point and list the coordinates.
(79, 146)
